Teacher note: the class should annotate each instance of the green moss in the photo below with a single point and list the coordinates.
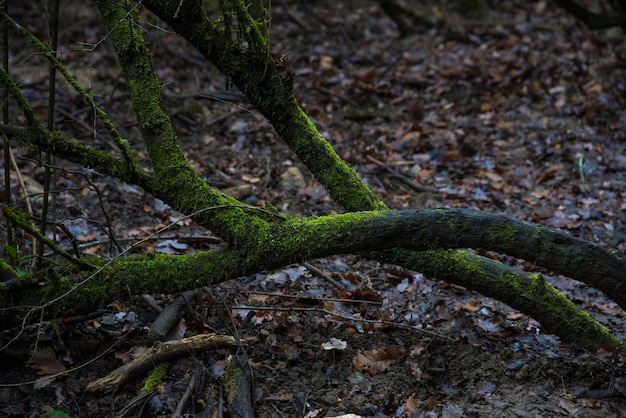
(232, 373)
(338, 178)
(155, 377)
(501, 233)
(559, 309)
(508, 282)
(471, 267)
(232, 377)
(57, 332)
(538, 238)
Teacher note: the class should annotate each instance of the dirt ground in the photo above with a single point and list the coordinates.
(521, 112)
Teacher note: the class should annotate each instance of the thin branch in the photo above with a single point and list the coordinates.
(17, 220)
(404, 179)
(158, 354)
(37, 138)
(345, 318)
(127, 152)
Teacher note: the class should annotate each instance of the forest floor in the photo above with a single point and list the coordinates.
(522, 112)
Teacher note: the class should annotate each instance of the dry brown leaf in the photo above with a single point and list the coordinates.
(46, 361)
(410, 407)
(86, 238)
(377, 360)
(470, 306)
(326, 62)
(48, 365)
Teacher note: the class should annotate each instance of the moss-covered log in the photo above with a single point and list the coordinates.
(558, 314)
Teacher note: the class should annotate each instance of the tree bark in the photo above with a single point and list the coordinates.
(159, 353)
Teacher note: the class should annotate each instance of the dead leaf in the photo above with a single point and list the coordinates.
(326, 62)
(610, 308)
(410, 407)
(48, 365)
(595, 88)
(133, 353)
(470, 306)
(569, 407)
(281, 397)
(92, 250)
(411, 135)
(418, 349)
(551, 172)
(334, 344)
(377, 360)
(86, 238)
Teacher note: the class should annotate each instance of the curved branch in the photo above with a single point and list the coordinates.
(275, 100)
(527, 292)
(431, 229)
(296, 239)
(273, 97)
(461, 228)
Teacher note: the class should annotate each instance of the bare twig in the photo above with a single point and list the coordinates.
(401, 177)
(324, 275)
(169, 317)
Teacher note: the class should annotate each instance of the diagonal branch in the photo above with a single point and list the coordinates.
(127, 152)
(178, 182)
(38, 138)
(272, 95)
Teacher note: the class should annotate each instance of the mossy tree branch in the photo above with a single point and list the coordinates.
(128, 154)
(21, 222)
(38, 138)
(296, 239)
(294, 127)
(272, 95)
(178, 182)
(261, 241)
